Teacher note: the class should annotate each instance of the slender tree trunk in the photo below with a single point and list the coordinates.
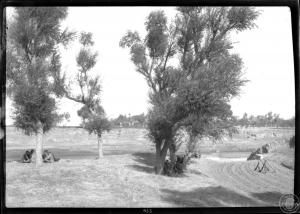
(100, 150)
(159, 164)
(42, 145)
(39, 145)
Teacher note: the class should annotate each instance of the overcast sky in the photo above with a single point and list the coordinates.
(266, 51)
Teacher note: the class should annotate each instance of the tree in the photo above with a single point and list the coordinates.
(193, 93)
(275, 120)
(97, 124)
(269, 118)
(92, 113)
(244, 121)
(33, 62)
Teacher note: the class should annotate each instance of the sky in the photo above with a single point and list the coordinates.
(266, 52)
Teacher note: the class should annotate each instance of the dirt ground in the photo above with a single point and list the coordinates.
(125, 176)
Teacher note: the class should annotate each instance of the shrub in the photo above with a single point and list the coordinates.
(292, 142)
(171, 169)
(168, 168)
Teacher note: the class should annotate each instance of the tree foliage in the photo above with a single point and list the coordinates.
(97, 125)
(34, 37)
(31, 106)
(33, 63)
(92, 113)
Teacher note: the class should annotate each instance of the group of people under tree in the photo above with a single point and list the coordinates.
(48, 157)
(192, 94)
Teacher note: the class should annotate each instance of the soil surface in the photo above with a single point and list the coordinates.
(125, 176)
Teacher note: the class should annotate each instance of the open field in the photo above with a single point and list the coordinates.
(125, 177)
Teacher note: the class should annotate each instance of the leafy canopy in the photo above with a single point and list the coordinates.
(32, 106)
(92, 113)
(190, 70)
(33, 65)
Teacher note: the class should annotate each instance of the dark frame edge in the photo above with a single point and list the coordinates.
(3, 105)
(292, 4)
(295, 35)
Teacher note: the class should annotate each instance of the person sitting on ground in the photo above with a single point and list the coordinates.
(48, 157)
(265, 148)
(196, 155)
(182, 161)
(255, 155)
(26, 158)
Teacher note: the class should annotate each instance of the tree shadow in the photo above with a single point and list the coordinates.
(146, 158)
(146, 162)
(271, 198)
(209, 197)
(140, 168)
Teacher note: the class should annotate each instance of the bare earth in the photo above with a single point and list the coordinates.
(125, 177)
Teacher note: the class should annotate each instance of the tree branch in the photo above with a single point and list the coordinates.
(73, 98)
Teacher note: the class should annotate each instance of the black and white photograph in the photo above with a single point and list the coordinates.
(150, 106)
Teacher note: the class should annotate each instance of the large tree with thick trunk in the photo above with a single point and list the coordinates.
(191, 72)
(33, 63)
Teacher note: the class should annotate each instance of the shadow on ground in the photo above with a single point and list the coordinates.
(271, 198)
(209, 197)
(16, 154)
(145, 160)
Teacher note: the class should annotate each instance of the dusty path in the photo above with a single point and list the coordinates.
(241, 177)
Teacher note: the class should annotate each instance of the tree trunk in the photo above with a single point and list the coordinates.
(39, 145)
(159, 164)
(100, 150)
(172, 153)
(191, 144)
(160, 156)
(42, 145)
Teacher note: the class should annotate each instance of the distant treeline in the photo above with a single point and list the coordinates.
(135, 121)
(69, 127)
(267, 120)
(139, 121)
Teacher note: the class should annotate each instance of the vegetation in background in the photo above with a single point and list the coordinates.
(194, 92)
(123, 121)
(32, 66)
(268, 120)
